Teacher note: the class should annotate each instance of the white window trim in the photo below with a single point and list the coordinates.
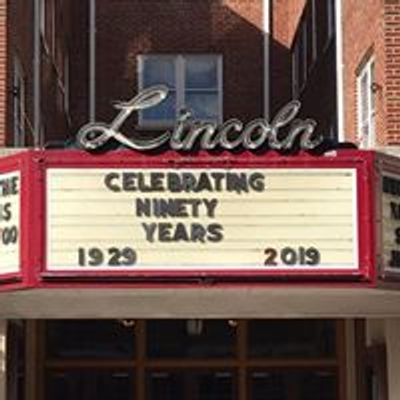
(19, 102)
(179, 59)
(369, 141)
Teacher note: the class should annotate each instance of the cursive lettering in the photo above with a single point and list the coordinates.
(232, 134)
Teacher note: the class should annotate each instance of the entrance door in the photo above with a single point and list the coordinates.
(191, 360)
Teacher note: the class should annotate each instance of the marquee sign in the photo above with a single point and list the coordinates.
(70, 217)
(151, 219)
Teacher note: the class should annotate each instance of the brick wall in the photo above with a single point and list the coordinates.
(3, 70)
(232, 28)
(389, 79)
(295, 11)
(18, 41)
(285, 18)
(318, 97)
(54, 44)
(20, 45)
(363, 32)
(79, 64)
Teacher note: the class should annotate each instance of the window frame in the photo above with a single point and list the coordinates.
(180, 89)
(241, 364)
(366, 140)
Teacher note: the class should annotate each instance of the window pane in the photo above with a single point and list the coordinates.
(364, 97)
(291, 338)
(201, 73)
(204, 106)
(158, 70)
(190, 338)
(89, 384)
(163, 385)
(165, 111)
(301, 385)
(200, 385)
(317, 385)
(266, 385)
(89, 339)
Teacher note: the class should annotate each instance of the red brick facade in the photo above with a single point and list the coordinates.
(290, 20)
(231, 28)
(359, 43)
(285, 17)
(389, 78)
(55, 45)
(3, 70)
(18, 46)
(19, 49)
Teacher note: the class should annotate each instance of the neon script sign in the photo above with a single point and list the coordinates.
(188, 133)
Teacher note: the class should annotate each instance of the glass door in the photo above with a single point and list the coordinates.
(293, 385)
(190, 385)
(191, 360)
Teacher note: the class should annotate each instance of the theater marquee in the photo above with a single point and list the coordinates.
(125, 218)
(186, 219)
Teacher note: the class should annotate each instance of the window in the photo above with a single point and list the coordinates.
(194, 82)
(366, 105)
(189, 359)
(304, 51)
(313, 37)
(19, 104)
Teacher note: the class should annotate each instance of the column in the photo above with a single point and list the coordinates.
(392, 329)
